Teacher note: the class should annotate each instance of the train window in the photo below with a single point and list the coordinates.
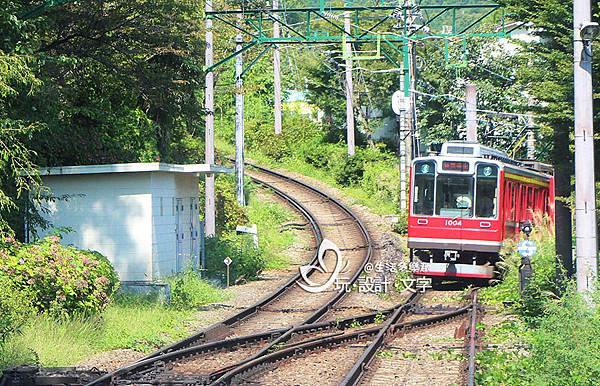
(486, 191)
(454, 197)
(424, 188)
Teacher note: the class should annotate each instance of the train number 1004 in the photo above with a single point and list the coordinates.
(453, 223)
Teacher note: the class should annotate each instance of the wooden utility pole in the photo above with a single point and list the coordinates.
(471, 109)
(209, 130)
(239, 123)
(585, 201)
(277, 74)
(349, 89)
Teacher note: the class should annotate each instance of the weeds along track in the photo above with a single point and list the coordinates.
(287, 313)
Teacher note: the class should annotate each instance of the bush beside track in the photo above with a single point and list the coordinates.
(549, 335)
(40, 326)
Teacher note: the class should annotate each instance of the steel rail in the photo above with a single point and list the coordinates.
(188, 346)
(354, 376)
(173, 356)
(302, 347)
(226, 372)
(472, 349)
(216, 329)
(363, 229)
(357, 370)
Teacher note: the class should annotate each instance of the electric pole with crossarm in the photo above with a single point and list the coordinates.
(585, 200)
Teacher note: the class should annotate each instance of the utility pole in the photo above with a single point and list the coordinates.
(239, 122)
(407, 118)
(277, 74)
(471, 111)
(402, 153)
(349, 88)
(415, 141)
(209, 130)
(585, 200)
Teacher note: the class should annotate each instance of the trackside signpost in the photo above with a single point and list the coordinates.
(527, 249)
(227, 262)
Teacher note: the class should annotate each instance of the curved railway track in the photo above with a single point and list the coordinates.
(287, 312)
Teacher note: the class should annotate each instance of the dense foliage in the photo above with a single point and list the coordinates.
(93, 82)
(58, 279)
(551, 337)
(15, 308)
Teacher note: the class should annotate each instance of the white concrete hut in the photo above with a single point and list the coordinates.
(142, 216)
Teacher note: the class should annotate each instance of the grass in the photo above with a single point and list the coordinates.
(189, 291)
(268, 217)
(131, 322)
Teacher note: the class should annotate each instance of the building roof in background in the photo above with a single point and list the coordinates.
(133, 168)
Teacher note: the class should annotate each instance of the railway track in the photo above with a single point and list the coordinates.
(401, 359)
(287, 313)
(346, 358)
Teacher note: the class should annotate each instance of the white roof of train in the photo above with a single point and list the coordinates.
(465, 149)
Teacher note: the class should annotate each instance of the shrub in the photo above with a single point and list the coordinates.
(15, 308)
(565, 346)
(401, 226)
(381, 180)
(189, 291)
(247, 260)
(350, 170)
(562, 350)
(60, 279)
(231, 213)
(299, 130)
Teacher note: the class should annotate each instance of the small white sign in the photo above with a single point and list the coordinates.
(527, 248)
(227, 261)
(399, 102)
(253, 230)
(242, 229)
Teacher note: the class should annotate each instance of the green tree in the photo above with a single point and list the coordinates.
(548, 75)
(93, 82)
(16, 74)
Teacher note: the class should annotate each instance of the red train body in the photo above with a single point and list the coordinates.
(465, 202)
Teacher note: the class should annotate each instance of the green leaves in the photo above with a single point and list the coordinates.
(60, 280)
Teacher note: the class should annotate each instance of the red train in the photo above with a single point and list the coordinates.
(465, 202)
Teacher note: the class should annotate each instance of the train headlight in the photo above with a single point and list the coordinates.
(487, 171)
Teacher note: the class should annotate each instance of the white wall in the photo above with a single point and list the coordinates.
(173, 188)
(109, 213)
(129, 217)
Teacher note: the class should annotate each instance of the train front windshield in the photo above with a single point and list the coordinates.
(454, 195)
